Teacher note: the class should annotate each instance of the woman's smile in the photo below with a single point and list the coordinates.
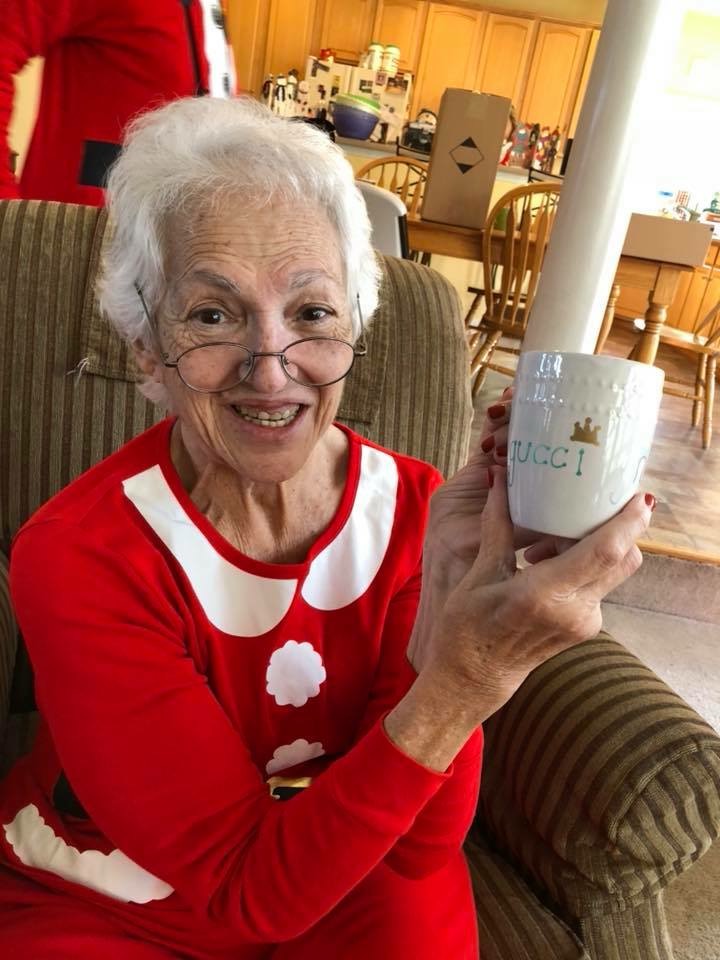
(270, 417)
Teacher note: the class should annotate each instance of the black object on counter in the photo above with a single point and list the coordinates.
(321, 122)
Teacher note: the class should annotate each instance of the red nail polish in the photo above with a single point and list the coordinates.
(650, 501)
(502, 450)
(487, 444)
(491, 478)
(496, 411)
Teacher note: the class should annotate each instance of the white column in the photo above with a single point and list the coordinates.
(610, 149)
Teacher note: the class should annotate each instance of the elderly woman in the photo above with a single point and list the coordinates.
(262, 726)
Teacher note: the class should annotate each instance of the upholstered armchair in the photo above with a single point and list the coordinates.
(600, 785)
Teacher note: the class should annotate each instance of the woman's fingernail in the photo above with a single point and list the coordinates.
(496, 411)
(507, 391)
(502, 450)
(487, 444)
(491, 478)
(650, 501)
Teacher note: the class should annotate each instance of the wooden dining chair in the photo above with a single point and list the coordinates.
(515, 237)
(704, 343)
(400, 175)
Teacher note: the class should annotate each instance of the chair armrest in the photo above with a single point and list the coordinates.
(600, 782)
(8, 647)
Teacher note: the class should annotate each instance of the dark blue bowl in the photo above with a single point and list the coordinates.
(350, 122)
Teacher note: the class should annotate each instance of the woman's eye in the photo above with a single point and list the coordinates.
(314, 314)
(209, 316)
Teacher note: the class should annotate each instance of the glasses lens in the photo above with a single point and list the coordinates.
(318, 361)
(215, 366)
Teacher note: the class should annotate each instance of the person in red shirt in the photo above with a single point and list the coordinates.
(106, 61)
(262, 679)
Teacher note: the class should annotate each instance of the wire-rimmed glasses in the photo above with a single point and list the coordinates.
(223, 364)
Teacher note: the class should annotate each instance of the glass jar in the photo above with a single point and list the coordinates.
(391, 59)
(665, 203)
(375, 55)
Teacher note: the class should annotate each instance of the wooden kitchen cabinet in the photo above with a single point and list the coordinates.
(247, 25)
(346, 27)
(402, 22)
(449, 55)
(555, 72)
(505, 56)
(292, 35)
(589, 60)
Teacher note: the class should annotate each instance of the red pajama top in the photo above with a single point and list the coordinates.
(105, 62)
(175, 675)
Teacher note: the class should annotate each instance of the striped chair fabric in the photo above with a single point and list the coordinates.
(600, 785)
(603, 786)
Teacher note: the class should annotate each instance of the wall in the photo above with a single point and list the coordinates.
(686, 119)
(27, 95)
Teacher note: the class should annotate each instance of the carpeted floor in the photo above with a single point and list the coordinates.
(692, 904)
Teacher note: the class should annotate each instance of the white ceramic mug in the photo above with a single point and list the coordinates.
(580, 436)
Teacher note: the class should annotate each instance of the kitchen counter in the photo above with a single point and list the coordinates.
(365, 148)
(360, 152)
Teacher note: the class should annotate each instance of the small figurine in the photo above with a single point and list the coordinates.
(268, 89)
(520, 150)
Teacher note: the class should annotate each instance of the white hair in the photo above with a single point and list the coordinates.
(193, 151)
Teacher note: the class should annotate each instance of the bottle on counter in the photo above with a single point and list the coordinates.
(374, 56)
(390, 59)
(665, 203)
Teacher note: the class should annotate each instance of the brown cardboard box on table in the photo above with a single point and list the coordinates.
(465, 156)
(672, 241)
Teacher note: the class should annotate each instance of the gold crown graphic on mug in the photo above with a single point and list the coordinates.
(587, 433)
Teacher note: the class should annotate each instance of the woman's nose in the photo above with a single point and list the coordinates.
(267, 336)
(268, 375)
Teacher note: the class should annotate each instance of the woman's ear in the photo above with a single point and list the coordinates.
(148, 361)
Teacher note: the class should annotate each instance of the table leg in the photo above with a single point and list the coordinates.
(655, 317)
(709, 402)
(656, 314)
(608, 318)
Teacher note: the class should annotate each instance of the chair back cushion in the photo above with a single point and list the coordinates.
(54, 423)
(68, 393)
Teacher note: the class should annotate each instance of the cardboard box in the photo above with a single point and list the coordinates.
(465, 155)
(673, 241)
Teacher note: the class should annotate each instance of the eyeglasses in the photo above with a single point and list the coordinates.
(221, 365)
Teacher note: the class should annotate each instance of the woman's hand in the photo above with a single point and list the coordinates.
(453, 538)
(497, 624)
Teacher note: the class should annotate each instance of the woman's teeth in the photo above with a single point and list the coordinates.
(266, 418)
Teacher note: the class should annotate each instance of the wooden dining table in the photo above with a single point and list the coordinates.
(658, 278)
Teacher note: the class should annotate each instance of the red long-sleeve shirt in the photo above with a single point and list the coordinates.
(105, 62)
(176, 675)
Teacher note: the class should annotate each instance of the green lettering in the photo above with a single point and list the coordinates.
(581, 454)
(558, 466)
(541, 463)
